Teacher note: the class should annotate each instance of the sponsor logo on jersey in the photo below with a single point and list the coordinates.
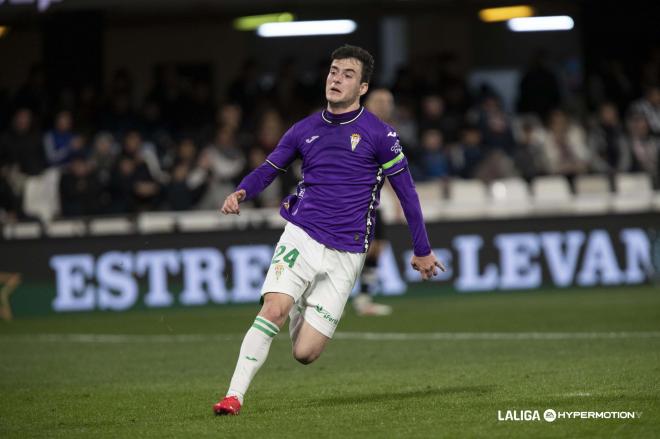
(391, 134)
(311, 139)
(355, 139)
(396, 148)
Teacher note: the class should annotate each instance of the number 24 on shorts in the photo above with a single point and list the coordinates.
(289, 258)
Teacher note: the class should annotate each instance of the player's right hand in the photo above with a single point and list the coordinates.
(232, 201)
(427, 265)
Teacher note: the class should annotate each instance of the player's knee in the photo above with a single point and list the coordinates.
(275, 313)
(305, 356)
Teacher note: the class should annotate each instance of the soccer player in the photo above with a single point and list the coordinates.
(346, 154)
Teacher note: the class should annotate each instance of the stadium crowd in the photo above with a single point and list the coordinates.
(178, 149)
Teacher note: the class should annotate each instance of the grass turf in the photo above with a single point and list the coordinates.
(143, 385)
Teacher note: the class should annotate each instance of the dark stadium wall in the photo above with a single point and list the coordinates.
(73, 49)
(139, 48)
(21, 48)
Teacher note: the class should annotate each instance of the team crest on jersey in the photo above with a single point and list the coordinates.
(355, 139)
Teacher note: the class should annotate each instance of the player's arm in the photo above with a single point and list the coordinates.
(395, 167)
(423, 259)
(259, 179)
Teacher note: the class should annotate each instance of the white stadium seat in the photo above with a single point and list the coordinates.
(31, 230)
(634, 192)
(41, 195)
(552, 194)
(592, 194)
(431, 199)
(467, 199)
(156, 222)
(509, 197)
(206, 220)
(66, 228)
(111, 226)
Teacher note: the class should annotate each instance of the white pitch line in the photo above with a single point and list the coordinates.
(393, 336)
(365, 336)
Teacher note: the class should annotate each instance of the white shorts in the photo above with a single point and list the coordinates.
(320, 279)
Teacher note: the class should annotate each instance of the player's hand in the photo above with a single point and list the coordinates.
(231, 202)
(427, 265)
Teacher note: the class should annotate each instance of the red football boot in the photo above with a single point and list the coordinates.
(230, 405)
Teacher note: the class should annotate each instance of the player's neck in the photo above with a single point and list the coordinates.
(341, 109)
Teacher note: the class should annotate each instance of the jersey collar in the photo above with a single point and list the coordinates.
(341, 119)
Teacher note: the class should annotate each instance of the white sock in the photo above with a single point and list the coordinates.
(254, 352)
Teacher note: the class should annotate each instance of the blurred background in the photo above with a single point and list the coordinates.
(124, 124)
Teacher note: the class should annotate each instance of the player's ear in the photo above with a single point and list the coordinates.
(364, 87)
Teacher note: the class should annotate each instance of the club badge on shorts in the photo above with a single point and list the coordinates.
(355, 139)
(279, 269)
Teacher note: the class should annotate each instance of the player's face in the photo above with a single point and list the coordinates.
(343, 87)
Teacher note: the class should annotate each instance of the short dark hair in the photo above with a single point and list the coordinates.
(348, 51)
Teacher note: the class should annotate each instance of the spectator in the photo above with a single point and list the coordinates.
(79, 188)
(434, 117)
(649, 106)
(122, 184)
(135, 146)
(407, 127)
(434, 158)
(381, 103)
(224, 160)
(139, 176)
(58, 142)
(270, 130)
(607, 142)
(104, 158)
(467, 155)
(529, 155)
(494, 124)
(643, 146)
(22, 145)
(565, 146)
(188, 181)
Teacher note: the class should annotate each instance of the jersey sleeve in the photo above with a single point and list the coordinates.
(286, 150)
(277, 161)
(389, 152)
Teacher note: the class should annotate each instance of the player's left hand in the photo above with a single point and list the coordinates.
(427, 265)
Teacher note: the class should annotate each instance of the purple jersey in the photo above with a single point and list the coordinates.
(345, 159)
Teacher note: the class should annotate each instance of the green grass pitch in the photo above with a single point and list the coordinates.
(441, 366)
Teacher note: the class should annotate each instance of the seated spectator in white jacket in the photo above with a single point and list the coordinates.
(565, 146)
